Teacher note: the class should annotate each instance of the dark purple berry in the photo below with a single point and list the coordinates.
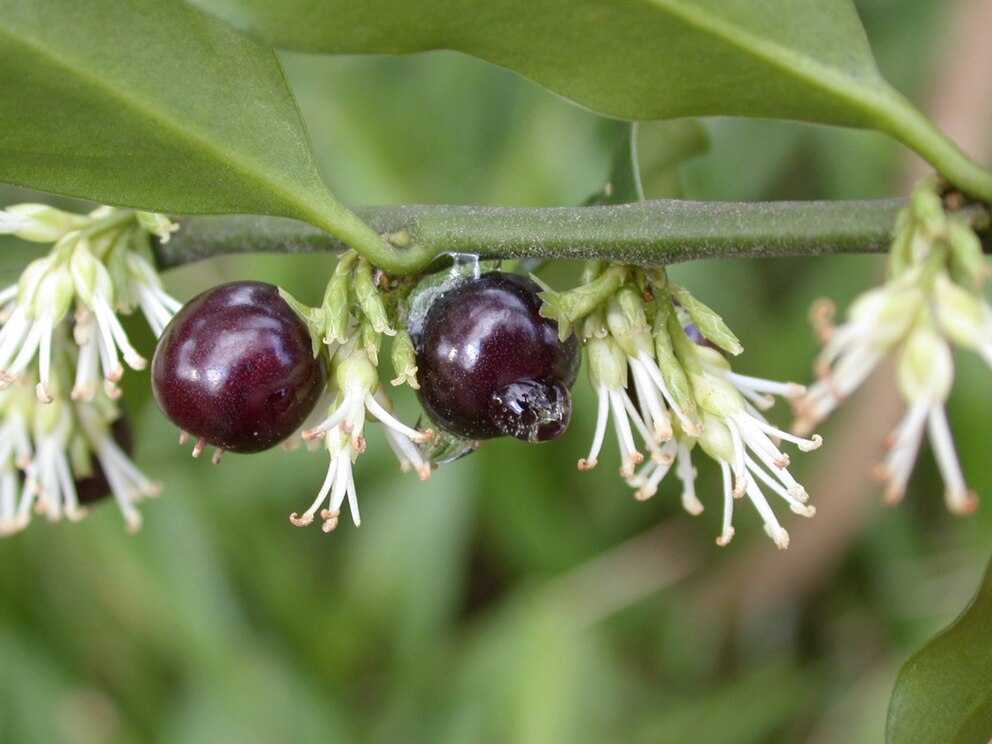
(532, 410)
(235, 368)
(490, 365)
(95, 486)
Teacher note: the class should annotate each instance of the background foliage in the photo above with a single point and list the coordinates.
(501, 603)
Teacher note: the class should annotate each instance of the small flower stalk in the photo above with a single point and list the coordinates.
(62, 353)
(930, 303)
(656, 359)
(348, 328)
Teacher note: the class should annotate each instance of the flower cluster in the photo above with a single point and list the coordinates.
(64, 439)
(350, 324)
(656, 359)
(931, 302)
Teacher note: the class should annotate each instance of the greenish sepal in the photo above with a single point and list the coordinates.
(710, 324)
(157, 224)
(115, 260)
(925, 370)
(607, 364)
(46, 224)
(594, 325)
(569, 308)
(668, 363)
(371, 339)
(312, 317)
(963, 315)
(686, 351)
(356, 370)
(716, 440)
(404, 359)
(968, 264)
(927, 207)
(337, 310)
(901, 253)
(631, 303)
(89, 277)
(369, 299)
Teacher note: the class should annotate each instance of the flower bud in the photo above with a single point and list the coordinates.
(38, 223)
(926, 369)
(157, 224)
(965, 318)
(607, 364)
(404, 358)
(710, 324)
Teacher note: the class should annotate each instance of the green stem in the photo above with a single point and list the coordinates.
(651, 233)
(897, 117)
(116, 219)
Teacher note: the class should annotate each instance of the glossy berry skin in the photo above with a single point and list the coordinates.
(235, 368)
(490, 365)
(95, 487)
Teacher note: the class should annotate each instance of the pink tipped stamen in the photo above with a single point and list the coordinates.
(727, 531)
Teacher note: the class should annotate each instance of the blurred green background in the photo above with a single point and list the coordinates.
(511, 598)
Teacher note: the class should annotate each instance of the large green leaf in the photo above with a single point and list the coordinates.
(638, 59)
(944, 692)
(153, 104)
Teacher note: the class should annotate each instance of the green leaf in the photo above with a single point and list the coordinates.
(807, 60)
(153, 104)
(944, 692)
(662, 147)
(624, 184)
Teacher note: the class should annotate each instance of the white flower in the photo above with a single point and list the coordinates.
(742, 441)
(926, 375)
(342, 432)
(95, 296)
(62, 444)
(72, 275)
(654, 395)
(922, 313)
(878, 321)
(33, 309)
(128, 484)
(16, 450)
(607, 368)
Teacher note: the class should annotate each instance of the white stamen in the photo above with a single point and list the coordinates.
(727, 532)
(687, 474)
(602, 414)
(959, 499)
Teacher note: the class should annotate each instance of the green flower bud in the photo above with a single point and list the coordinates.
(965, 318)
(710, 324)
(404, 360)
(969, 265)
(313, 318)
(926, 369)
(356, 371)
(157, 224)
(715, 439)
(607, 364)
(371, 338)
(369, 299)
(39, 223)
